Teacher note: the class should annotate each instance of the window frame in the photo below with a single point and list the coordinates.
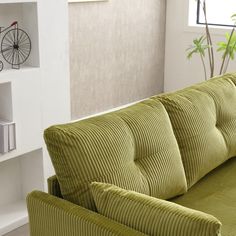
(209, 23)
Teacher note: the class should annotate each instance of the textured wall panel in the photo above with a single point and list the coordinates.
(116, 53)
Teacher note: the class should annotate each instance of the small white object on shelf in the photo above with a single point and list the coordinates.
(12, 136)
(3, 137)
(7, 136)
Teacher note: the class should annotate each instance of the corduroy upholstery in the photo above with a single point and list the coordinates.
(232, 77)
(211, 113)
(52, 216)
(152, 216)
(134, 148)
(54, 187)
(204, 121)
(215, 194)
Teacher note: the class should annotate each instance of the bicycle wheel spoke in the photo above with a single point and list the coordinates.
(20, 56)
(25, 49)
(17, 36)
(22, 38)
(14, 36)
(11, 37)
(17, 58)
(8, 53)
(5, 44)
(13, 56)
(24, 44)
(23, 53)
(6, 49)
(8, 57)
(8, 40)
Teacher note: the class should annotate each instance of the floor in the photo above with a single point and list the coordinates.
(22, 231)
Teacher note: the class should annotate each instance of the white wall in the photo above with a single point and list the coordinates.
(54, 62)
(179, 71)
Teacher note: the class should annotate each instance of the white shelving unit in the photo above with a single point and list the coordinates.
(34, 97)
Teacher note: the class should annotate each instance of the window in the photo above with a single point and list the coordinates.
(219, 12)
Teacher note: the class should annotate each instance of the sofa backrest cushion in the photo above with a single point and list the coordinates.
(152, 216)
(232, 77)
(204, 121)
(134, 148)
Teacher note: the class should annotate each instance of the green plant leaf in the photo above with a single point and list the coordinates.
(228, 47)
(233, 18)
(198, 47)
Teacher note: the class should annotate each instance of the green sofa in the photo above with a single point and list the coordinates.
(179, 147)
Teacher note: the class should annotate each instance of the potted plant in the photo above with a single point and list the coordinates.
(204, 46)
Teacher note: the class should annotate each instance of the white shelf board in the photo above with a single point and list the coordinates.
(16, 153)
(13, 216)
(16, 1)
(8, 75)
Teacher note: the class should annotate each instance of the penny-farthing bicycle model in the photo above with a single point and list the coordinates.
(15, 46)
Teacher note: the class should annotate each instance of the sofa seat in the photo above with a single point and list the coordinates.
(215, 194)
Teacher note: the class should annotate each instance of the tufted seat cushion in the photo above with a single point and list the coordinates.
(204, 121)
(134, 148)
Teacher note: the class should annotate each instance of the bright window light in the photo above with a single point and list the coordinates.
(219, 12)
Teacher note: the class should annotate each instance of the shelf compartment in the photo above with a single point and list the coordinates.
(13, 216)
(19, 176)
(25, 12)
(25, 111)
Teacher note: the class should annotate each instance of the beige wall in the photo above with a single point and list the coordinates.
(116, 53)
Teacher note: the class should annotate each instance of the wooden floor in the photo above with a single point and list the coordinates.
(22, 231)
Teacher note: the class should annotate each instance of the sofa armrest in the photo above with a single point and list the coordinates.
(49, 215)
(54, 187)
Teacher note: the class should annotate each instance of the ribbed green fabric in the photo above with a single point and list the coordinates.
(223, 92)
(215, 194)
(134, 148)
(156, 150)
(52, 216)
(231, 76)
(150, 215)
(204, 121)
(54, 187)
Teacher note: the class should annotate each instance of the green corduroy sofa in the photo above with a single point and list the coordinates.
(179, 147)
